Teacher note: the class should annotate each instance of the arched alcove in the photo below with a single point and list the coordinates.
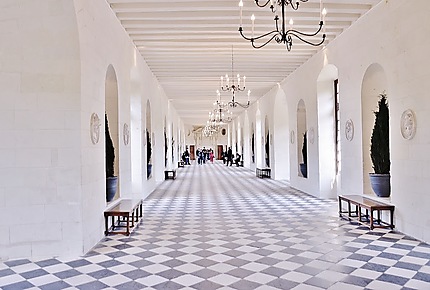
(374, 83)
(165, 142)
(149, 141)
(280, 138)
(266, 142)
(111, 109)
(252, 143)
(302, 140)
(172, 142)
(239, 137)
(328, 131)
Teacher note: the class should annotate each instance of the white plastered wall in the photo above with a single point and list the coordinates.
(98, 26)
(391, 34)
(280, 138)
(54, 60)
(40, 170)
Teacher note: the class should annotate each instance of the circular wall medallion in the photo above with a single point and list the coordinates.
(292, 137)
(95, 128)
(349, 130)
(126, 134)
(311, 135)
(408, 124)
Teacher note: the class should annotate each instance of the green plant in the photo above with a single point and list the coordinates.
(110, 151)
(148, 148)
(165, 147)
(380, 140)
(305, 149)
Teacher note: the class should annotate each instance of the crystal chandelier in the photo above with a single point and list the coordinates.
(228, 84)
(282, 34)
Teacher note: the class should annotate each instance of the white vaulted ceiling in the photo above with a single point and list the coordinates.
(188, 45)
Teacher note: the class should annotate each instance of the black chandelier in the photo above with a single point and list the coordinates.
(233, 87)
(220, 113)
(282, 34)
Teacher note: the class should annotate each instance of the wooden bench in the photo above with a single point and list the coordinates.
(128, 212)
(170, 174)
(181, 164)
(263, 172)
(370, 206)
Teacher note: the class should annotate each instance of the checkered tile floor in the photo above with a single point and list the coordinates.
(218, 227)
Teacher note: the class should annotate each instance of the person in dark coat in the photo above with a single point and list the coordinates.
(187, 157)
(229, 156)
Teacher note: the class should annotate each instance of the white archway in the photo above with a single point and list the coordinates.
(328, 132)
(149, 141)
(280, 138)
(252, 145)
(136, 125)
(111, 109)
(301, 140)
(374, 83)
(259, 141)
(267, 142)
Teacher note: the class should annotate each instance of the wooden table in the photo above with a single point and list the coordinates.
(170, 174)
(370, 206)
(128, 212)
(263, 172)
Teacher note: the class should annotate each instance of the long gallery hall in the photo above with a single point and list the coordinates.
(219, 227)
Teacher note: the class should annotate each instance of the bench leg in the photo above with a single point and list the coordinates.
(128, 226)
(371, 219)
(391, 219)
(340, 207)
(106, 225)
(349, 209)
(359, 213)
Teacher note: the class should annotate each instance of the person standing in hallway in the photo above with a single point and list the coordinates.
(211, 155)
(204, 155)
(187, 156)
(229, 156)
(199, 153)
